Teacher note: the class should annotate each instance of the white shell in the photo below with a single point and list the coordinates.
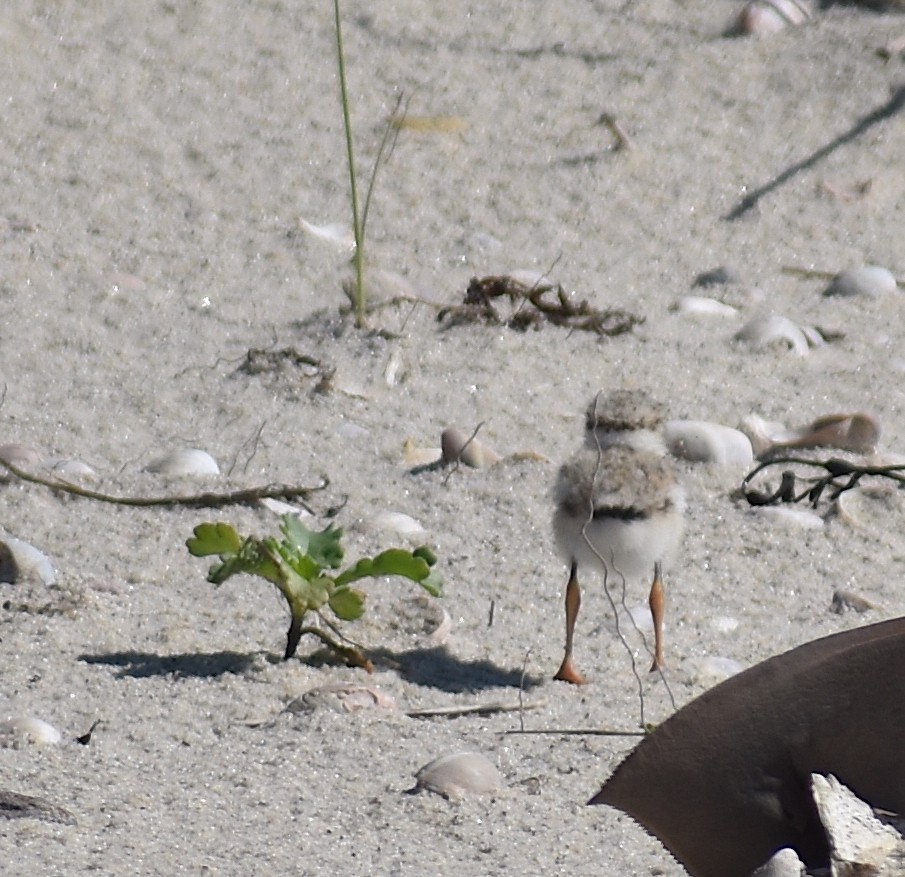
(704, 442)
(768, 330)
(28, 561)
(761, 17)
(699, 305)
(21, 455)
(185, 461)
(783, 863)
(871, 280)
(859, 842)
(455, 446)
(404, 525)
(73, 470)
(415, 456)
(349, 697)
(278, 507)
(16, 731)
(859, 432)
(459, 774)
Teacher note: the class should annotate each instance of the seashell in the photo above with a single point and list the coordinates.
(843, 600)
(335, 233)
(278, 507)
(346, 697)
(404, 525)
(186, 461)
(73, 470)
(762, 17)
(20, 560)
(459, 774)
(21, 455)
(859, 432)
(455, 446)
(870, 280)
(703, 442)
(698, 305)
(769, 330)
(395, 370)
(783, 863)
(17, 731)
(415, 456)
(859, 842)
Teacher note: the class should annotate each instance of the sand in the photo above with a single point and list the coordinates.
(158, 161)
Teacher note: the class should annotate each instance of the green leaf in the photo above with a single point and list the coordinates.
(426, 554)
(348, 603)
(322, 547)
(214, 539)
(393, 562)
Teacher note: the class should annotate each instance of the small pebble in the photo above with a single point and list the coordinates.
(455, 446)
(783, 863)
(21, 455)
(717, 277)
(459, 774)
(870, 280)
(702, 442)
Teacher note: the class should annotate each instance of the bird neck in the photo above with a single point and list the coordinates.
(636, 439)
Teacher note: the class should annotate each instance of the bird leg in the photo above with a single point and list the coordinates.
(657, 602)
(567, 671)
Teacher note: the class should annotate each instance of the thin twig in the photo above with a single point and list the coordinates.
(479, 709)
(208, 499)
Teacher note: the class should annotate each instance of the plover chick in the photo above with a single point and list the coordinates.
(619, 507)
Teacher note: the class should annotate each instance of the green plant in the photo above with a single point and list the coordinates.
(300, 565)
(357, 292)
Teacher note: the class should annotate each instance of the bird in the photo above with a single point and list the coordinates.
(619, 506)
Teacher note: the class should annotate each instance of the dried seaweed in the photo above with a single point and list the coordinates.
(532, 306)
(290, 362)
(840, 475)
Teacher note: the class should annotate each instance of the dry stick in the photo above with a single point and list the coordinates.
(479, 709)
(887, 110)
(195, 500)
(817, 274)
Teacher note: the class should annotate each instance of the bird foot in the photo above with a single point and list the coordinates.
(568, 673)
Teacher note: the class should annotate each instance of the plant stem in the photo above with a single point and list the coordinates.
(358, 260)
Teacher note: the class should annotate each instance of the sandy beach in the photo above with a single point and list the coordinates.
(161, 162)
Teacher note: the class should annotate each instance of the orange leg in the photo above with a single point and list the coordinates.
(657, 603)
(567, 671)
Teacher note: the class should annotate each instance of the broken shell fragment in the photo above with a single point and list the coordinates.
(455, 446)
(859, 432)
(703, 442)
(186, 461)
(459, 774)
(770, 330)
(869, 280)
(20, 560)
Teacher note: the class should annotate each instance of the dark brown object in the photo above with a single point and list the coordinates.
(724, 782)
